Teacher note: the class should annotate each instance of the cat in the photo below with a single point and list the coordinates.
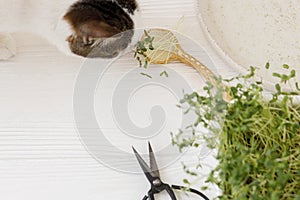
(87, 28)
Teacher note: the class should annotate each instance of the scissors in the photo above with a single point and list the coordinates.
(153, 176)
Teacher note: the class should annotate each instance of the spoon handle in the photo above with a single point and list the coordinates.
(186, 58)
(196, 64)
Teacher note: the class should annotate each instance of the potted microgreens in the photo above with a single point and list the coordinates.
(257, 138)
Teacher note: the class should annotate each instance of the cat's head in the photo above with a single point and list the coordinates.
(100, 28)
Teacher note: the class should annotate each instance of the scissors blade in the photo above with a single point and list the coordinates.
(153, 163)
(146, 169)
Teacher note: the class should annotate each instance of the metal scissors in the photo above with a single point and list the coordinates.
(153, 176)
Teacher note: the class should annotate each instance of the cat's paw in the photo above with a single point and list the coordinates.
(7, 46)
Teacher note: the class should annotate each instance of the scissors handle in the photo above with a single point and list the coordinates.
(170, 192)
(176, 187)
(150, 195)
(166, 187)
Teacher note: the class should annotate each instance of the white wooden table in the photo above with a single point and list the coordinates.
(41, 155)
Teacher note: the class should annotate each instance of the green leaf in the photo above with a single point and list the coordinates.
(297, 86)
(267, 66)
(285, 66)
(278, 88)
(276, 75)
(147, 75)
(164, 73)
(185, 181)
(293, 74)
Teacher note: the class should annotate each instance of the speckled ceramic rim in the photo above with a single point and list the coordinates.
(268, 85)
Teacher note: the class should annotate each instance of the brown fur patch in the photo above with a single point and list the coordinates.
(98, 19)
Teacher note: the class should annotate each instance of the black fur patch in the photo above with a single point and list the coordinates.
(101, 10)
(130, 5)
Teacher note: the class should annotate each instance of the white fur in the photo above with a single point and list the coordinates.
(42, 17)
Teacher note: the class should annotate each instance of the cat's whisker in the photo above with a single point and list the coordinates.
(97, 42)
(85, 40)
(88, 40)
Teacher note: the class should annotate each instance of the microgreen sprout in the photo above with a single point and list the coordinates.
(164, 73)
(141, 48)
(146, 75)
